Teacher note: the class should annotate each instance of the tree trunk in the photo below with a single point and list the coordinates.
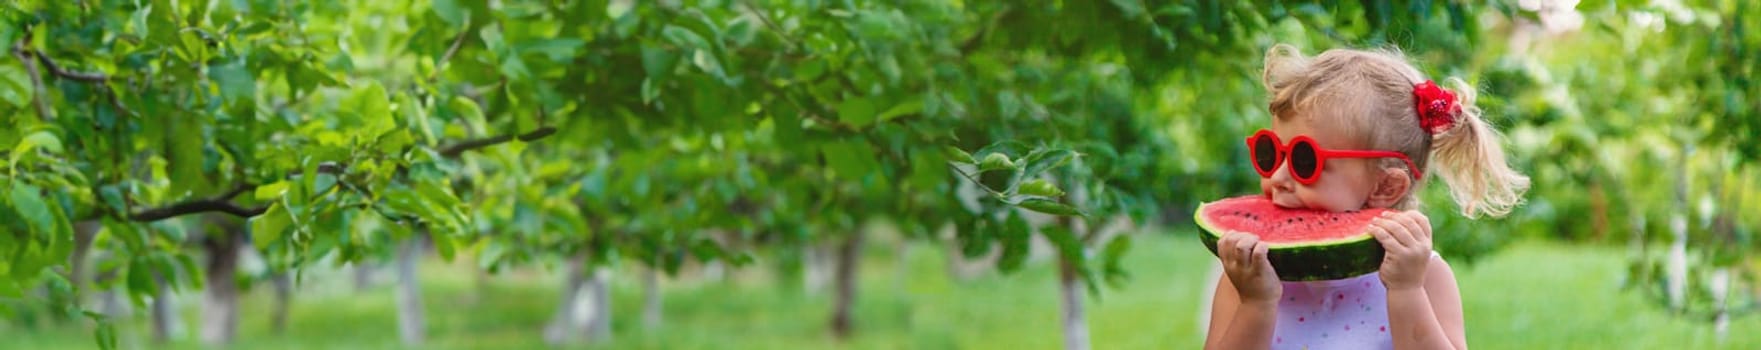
(902, 262)
(715, 270)
(1677, 263)
(849, 256)
(480, 287)
(1075, 325)
(599, 291)
(562, 325)
(363, 276)
(283, 294)
(83, 233)
(1720, 285)
(651, 302)
(813, 263)
(163, 310)
(409, 293)
(1636, 237)
(1598, 210)
(220, 301)
(585, 309)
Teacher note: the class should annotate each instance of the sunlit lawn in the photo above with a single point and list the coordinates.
(1530, 296)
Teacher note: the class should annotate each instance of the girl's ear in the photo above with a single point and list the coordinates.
(1391, 186)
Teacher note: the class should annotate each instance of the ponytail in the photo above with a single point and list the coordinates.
(1471, 162)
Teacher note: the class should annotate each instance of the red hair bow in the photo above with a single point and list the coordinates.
(1437, 107)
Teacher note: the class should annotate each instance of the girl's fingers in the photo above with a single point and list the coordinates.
(1396, 230)
(1411, 224)
(1382, 235)
(1226, 247)
(1424, 222)
(1244, 249)
(1260, 258)
(1223, 252)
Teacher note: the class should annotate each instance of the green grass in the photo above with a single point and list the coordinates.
(1530, 296)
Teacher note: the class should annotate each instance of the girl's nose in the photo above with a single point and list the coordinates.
(1281, 183)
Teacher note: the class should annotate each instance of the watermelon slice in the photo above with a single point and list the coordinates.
(1306, 245)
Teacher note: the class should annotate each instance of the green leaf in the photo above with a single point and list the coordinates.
(41, 139)
(1112, 256)
(857, 111)
(416, 117)
(59, 288)
(1069, 246)
(1016, 237)
(561, 50)
(657, 62)
(27, 200)
(1050, 207)
(15, 84)
(1039, 161)
(1010, 148)
(1008, 104)
(684, 37)
(955, 154)
(186, 159)
(140, 277)
(268, 228)
(467, 109)
(373, 107)
(451, 12)
(914, 106)
(1040, 187)
(876, 25)
(443, 244)
(192, 272)
(235, 80)
(105, 335)
(271, 191)
(975, 238)
(708, 63)
(850, 159)
(787, 128)
(996, 161)
(810, 70)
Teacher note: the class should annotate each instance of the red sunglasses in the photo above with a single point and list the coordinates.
(1307, 159)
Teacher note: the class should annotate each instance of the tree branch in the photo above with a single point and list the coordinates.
(795, 43)
(451, 50)
(30, 67)
(194, 207)
(454, 150)
(223, 202)
(63, 73)
(972, 43)
(219, 203)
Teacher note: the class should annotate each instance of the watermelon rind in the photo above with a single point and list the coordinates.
(1333, 259)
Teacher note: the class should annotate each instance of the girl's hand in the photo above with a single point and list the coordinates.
(1244, 261)
(1406, 235)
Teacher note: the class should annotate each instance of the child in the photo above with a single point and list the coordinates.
(1360, 100)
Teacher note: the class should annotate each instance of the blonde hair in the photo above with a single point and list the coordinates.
(1373, 90)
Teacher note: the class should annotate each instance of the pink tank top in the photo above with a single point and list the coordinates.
(1350, 313)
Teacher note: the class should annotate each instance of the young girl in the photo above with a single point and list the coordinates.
(1372, 101)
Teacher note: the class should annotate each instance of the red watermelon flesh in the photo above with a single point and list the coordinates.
(1305, 244)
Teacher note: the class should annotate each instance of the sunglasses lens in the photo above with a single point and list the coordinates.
(1303, 161)
(1265, 154)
